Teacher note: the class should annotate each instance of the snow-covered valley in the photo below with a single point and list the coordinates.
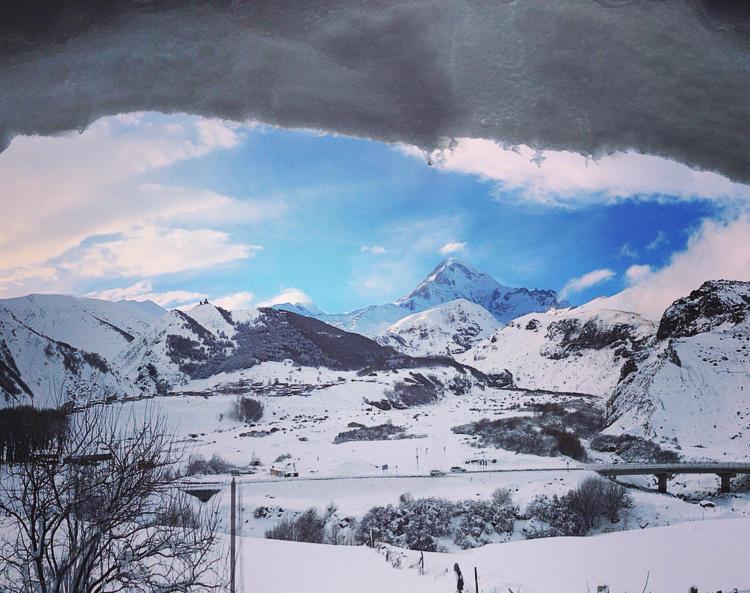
(449, 402)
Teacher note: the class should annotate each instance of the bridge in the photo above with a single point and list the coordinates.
(664, 471)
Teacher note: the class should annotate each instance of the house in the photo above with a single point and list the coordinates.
(288, 470)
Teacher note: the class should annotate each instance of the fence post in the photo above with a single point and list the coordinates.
(476, 580)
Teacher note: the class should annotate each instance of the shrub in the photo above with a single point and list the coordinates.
(419, 392)
(554, 429)
(577, 512)
(556, 514)
(567, 443)
(283, 457)
(633, 449)
(247, 409)
(178, 513)
(414, 523)
(197, 464)
(381, 432)
(308, 527)
(481, 519)
(418, 523)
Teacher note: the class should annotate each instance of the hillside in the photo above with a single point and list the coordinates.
(450, 328)
(208, 341)
(37, 369)
(93, 325)
(565, 350)
(693, 387)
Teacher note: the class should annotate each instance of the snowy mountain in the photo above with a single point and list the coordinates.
(55, 347)
(37, 369)
(207, 341)
(93, 325)
(693, 387)
(449, 329)
(449, 281)
(564, 349)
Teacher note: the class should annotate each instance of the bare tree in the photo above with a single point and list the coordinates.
(99, 512)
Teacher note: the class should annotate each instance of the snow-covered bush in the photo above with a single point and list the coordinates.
(414, 523)
(633, 449)
(554, 429)
(419, 523)
(578, 511)
(197, 464)
(480, 520)
(554, 515)
(417, 391)
(381, 432)
(308, 527)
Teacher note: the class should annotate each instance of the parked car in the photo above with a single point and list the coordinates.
(457, 469)
(436, 473)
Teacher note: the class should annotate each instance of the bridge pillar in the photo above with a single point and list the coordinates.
(726, 482)
(662, 482)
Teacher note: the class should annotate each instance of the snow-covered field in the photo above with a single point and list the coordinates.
(351, 474)
(318, 417)
(709, 555)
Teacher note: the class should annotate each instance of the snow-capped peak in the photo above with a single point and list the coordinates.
(450, 280)
(453, 279)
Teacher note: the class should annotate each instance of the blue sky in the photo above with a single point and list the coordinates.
(346, 193)
(347, 222)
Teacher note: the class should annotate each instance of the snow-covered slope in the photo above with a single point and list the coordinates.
(207, 341)
(37, 369)
(564, 349)
(93, 325)
(448, 329)
(449, 281)
(693, 388)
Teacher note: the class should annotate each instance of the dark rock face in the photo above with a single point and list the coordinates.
(280, 335)
(572, 336)
(716, 302)
(628, 367)
(11, 382)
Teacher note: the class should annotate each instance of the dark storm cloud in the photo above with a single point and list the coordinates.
(669, 77)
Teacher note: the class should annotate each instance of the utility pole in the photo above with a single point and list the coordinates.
(233, 528)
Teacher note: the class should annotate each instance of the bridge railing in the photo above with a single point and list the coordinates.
(703, 467)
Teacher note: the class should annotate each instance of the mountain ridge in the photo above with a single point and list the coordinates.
(450, 280)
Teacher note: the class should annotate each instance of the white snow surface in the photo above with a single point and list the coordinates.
(84, 323)
(534, 355)
(702, 403)
(46, 372)
(711, 555)
(450, 328)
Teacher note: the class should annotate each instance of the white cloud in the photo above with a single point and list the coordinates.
(637, 273)
(627, 250)
(144, 291)
(373, 249)
(151, 251)
(291, 295)
(660, 239)
(588, 280)
(61, 194)
(235, 301)
(181, 299)
(452, 247)
(568, 179)
(718, 250)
